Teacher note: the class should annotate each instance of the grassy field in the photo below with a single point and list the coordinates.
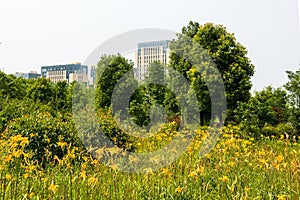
(236, 168)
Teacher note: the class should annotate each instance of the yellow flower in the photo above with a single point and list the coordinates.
(158, 137)
(93, 180)
(82, 174)
(193, 174)
(280, 158)
(281, 197)
(44, 179)
(32, 135)
(31, 195)
(138, 144)
(52, 187)
(165, 171)
(247, 189)
(8, 176)
(17, 153)
(231, 163)
(263, 161)
(7, 158)
(26, 175)
(83, 166)
(24, 141)
(94, 162)
(85, 158)
(179, 189)
(61, 144)
(224, 179)
(200, 169)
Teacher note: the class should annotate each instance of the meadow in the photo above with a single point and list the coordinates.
(236, 168)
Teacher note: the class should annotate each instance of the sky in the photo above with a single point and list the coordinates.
(35, 33)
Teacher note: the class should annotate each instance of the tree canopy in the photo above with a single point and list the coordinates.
(229, 56)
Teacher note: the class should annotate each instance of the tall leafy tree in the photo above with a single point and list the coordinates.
(109, 71)
(61, 91)
(231, 60)
(293, 87)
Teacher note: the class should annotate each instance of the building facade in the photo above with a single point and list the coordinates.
(31, 74)
(69, 73)
(93, 75)
(149, 52)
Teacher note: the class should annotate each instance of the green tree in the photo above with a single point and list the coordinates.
(294, 98)
(42, 90)
(109, 71)
(61, 102)
(231, 60)
(11, 86)
(268, 107)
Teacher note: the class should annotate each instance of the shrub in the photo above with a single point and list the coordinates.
(47, 135)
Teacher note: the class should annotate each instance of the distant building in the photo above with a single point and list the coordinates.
(31, 74)
(69, 73)
(149, 52)
(93, 75)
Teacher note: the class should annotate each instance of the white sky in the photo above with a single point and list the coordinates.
(35, 33)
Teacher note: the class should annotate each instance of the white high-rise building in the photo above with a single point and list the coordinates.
(149, 52)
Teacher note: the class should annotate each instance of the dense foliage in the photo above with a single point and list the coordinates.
(230, 58)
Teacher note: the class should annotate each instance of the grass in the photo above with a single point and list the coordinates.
(235, 169)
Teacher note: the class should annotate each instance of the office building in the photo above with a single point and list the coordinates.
(69, 72)
(31, 74)
(93, 75)
(149, 52)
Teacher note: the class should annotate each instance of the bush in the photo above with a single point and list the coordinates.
(14, 108)
(47, 135)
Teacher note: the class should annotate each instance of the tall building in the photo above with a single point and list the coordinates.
(149, 52)
(93, 75)
(69, 73)
(31, 74)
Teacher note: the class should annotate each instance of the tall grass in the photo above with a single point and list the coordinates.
(235, 169)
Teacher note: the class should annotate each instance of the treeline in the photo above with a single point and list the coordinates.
(270, 112)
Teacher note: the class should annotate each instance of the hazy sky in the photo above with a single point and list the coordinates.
(35, 33)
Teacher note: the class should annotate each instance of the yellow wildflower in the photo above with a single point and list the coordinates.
(24, 141)
(82, 174)
(52, 187)
(32, 135)
(178, 189)
(7, 158)
(280, 158)
(26, 175)
(193, 174)
(61, 144)
(93, 180)
(281, 197)
(138, 144)
(224, 179)
(8, 176)
(31, 195)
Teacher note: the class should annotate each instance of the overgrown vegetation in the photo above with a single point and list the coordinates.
(43, 156)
